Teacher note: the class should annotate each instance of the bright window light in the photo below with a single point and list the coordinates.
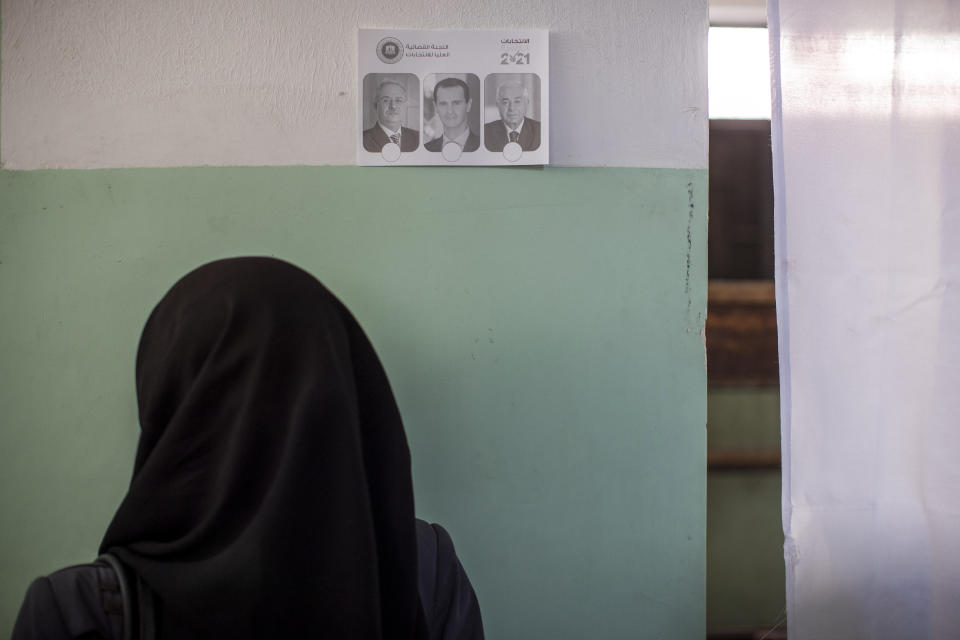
(738, 73)
(873, 75)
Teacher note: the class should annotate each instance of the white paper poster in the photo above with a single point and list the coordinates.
(453, 97)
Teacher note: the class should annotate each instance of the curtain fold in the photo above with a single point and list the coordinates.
(866, 153)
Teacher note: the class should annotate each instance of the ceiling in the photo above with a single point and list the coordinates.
(738, 13)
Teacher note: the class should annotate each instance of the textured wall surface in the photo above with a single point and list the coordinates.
(541, 329)
(114, 83)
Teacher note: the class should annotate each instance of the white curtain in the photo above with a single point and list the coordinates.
(866, 147)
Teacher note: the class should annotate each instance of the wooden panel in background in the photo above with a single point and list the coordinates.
(741, 200)
(743, 460)
(742, 333)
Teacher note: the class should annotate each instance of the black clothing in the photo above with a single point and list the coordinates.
(271, 494)
(69, 604)
(84, 601)
(448, 600)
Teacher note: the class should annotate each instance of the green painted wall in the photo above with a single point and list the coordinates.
(541, 328)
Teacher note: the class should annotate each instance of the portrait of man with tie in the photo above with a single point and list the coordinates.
(388, 99)
(512, 100)
(451, 103)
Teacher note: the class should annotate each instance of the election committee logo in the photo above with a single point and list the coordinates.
(390, 50)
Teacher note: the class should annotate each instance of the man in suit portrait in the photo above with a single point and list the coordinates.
(391, 101)
(513, 125)
(451, 101)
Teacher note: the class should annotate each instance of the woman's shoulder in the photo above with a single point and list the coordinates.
(433, 537)
(70, 603)
(448, 599)
(436, 559)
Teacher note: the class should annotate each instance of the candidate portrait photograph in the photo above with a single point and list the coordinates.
(451, 111)
(391, 111)
(511, 111)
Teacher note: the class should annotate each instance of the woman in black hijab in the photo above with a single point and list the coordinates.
(271, 493)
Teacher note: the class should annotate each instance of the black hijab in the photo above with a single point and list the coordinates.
(271, 494)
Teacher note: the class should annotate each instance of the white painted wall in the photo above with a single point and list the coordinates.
(122, 83)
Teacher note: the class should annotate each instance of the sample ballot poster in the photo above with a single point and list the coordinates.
(453, 97)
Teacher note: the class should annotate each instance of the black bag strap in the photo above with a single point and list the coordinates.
(126, 594)
(139, 604)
